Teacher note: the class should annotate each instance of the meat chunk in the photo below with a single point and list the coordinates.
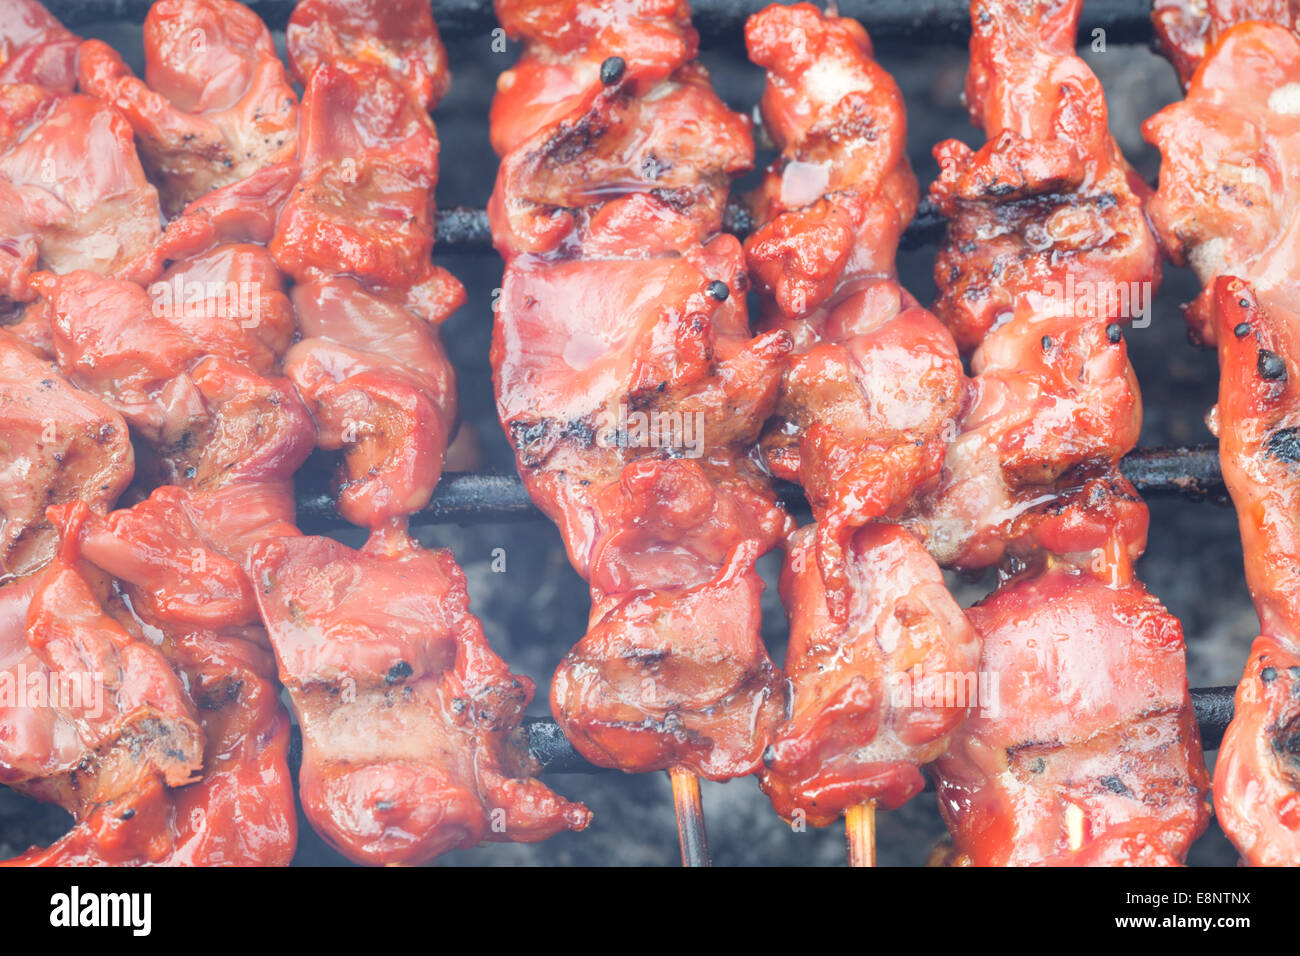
(1230, 169)
(112, 716)
(57, 444)
(398, 35)
(1186, 29)
(411, 739)
(875, 696)
(36, 48)
(1093, 755)
(873, 387)
(189, 363)
(868, 400)
(58, 212)
(178, 558)
(380, 387)
(1257, 775)
(1048, 255)
(364, 205)
(215, 105)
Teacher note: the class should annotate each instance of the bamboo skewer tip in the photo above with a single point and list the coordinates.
(690, 817)
(860, 833)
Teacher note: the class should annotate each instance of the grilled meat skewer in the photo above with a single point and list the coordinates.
(870, 390)
(1094, 663)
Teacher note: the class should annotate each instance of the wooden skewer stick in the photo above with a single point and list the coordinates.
(860, 832)
(1074, 826)
(690, 818)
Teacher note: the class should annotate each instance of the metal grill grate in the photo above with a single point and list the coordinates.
(1187, 472)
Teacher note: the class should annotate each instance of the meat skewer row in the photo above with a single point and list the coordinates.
(630, 385)
(1229, 184)
(181, 335)
(195, 390)
(1092, 755)
(411, 724)
(871, 389)
(80, 622)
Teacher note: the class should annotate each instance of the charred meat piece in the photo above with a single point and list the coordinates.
(1257, 775)
(241, 813)
(176, 558)
(876, 695)
(411, 739)
(1227, 191)
(189, 363)
(357, 236)
(381, 388)
(57, 444)
(873, 387)
(112, 715)
(1048, 255)
(58, 212)
(1230, 170)
(215, 105)
(1092, 754)
(1048, 203)
(364, 206)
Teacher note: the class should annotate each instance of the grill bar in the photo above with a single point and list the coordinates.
(464, 229)
(551, 749)
(720, 22)
(470, 498)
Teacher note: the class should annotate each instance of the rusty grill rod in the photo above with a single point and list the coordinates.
(474, 498)
(720, 22)
(465, 229)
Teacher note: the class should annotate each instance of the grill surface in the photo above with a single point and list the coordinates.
(532, 604)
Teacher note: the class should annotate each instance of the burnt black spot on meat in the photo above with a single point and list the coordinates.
(1271, 366)
(579, 430)
(527, 433)
(652, 167)
(1284, 445)
(1286, 741)
(647, 656)
(1241, 330)
(679, 200)
(1115, 785)
(611, 71)
(398, 672)
(570, 143)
